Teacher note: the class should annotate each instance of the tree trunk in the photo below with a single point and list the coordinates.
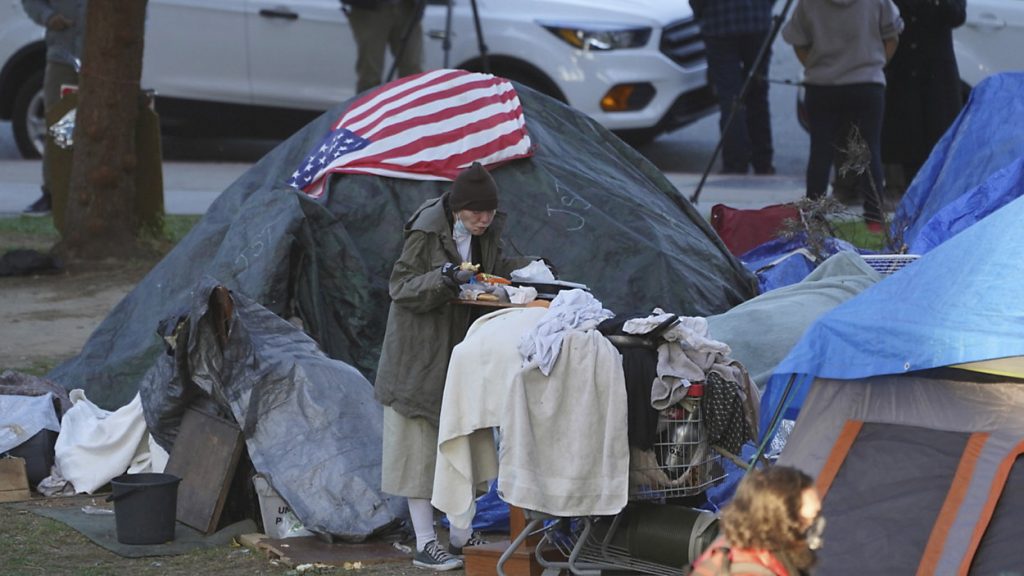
(101, 219)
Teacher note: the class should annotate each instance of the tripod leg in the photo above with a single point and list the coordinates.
(417, 16)
(484, 65)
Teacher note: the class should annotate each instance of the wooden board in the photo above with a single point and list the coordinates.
(13, 480)
(204, 456)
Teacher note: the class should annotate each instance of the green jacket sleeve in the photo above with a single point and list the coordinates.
(416, 282)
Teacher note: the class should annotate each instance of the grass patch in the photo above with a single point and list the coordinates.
(855, 232)
(38, 233)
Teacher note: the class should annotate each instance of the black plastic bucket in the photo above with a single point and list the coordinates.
(145, 506)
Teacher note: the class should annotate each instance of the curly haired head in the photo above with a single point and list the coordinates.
(765, 512)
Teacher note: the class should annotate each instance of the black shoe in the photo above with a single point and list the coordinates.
(474, 540)
(40, 207)
(435, 558)
(768, 170)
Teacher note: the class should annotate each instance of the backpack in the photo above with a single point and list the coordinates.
(719, 563)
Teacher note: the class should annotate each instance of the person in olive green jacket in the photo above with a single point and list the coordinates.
(423, 327)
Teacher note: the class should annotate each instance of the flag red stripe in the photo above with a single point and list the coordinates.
(392, 93)
(429, 99)
(454, 135)
(446, 114)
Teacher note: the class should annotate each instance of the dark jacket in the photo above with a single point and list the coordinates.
(423, 325)
(923, 93)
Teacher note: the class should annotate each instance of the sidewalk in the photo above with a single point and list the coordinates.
(190, 187)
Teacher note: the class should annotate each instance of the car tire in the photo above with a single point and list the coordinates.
(28, 120)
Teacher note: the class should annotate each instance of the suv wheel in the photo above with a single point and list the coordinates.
(29, 118)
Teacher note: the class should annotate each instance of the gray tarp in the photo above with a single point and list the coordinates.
(762, 330)
(311, 424)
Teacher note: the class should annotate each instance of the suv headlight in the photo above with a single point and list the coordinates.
(599, 36)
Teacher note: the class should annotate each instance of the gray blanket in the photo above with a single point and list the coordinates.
(761, 331)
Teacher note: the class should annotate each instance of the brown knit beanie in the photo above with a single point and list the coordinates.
(474, 189)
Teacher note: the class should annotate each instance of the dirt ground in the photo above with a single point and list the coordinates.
(46, 319)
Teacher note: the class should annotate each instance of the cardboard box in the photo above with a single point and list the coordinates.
(13, 480)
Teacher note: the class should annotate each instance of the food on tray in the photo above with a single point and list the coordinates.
(469, 266)
(485, 297)
(485, 278)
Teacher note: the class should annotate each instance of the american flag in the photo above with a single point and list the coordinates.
(424, 127)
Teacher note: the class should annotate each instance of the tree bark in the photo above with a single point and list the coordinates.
(101, 219)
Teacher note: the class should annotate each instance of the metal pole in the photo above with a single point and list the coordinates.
(484, 65)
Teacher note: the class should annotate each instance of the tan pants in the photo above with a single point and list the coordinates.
(376, 30)
(409, 455)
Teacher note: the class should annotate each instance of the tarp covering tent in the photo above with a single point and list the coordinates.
(960, 303)
(311, 425)
(921, 469)
(600, 211)
(986, 138)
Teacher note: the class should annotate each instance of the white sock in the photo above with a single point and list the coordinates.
(459, 536)
(422, 514)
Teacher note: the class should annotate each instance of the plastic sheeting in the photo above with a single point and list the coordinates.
(311, 425)
(986, 137)
(585, 197)
(785, 261)
(959, 303)
(761, 331)
(21, 417)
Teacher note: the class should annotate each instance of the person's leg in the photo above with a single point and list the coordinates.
(370, 30)
(411, 61)
(824, 123)
(759, 121)
(867, 103)
(726, 74)
(407, 469)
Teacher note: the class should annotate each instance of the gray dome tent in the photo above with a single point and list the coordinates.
(599, 210)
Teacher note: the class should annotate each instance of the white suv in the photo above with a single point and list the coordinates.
(263, 68)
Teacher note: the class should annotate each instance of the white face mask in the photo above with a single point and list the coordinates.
(460, 230)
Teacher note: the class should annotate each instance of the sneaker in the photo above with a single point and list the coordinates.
(874, 226)
(434, 557)
(40, 207)
(474, 540)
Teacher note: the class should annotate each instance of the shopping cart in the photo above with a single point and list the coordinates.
(652, 535)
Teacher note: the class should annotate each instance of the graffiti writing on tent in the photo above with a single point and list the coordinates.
(254, 249)
(570, 200)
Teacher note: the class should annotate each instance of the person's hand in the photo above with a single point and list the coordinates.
(59, 22)
(455, 276)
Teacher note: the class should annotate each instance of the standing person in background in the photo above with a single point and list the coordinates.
(64, 21)
(733, 32)
(772, 526)
(844, 46)
(922, 95)
(381, 24)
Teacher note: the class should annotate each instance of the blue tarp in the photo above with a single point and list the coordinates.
(961, 302)
(785, 261)
(953, 189)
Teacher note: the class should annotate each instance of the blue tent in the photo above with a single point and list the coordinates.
(963, 302)
(952, 190)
